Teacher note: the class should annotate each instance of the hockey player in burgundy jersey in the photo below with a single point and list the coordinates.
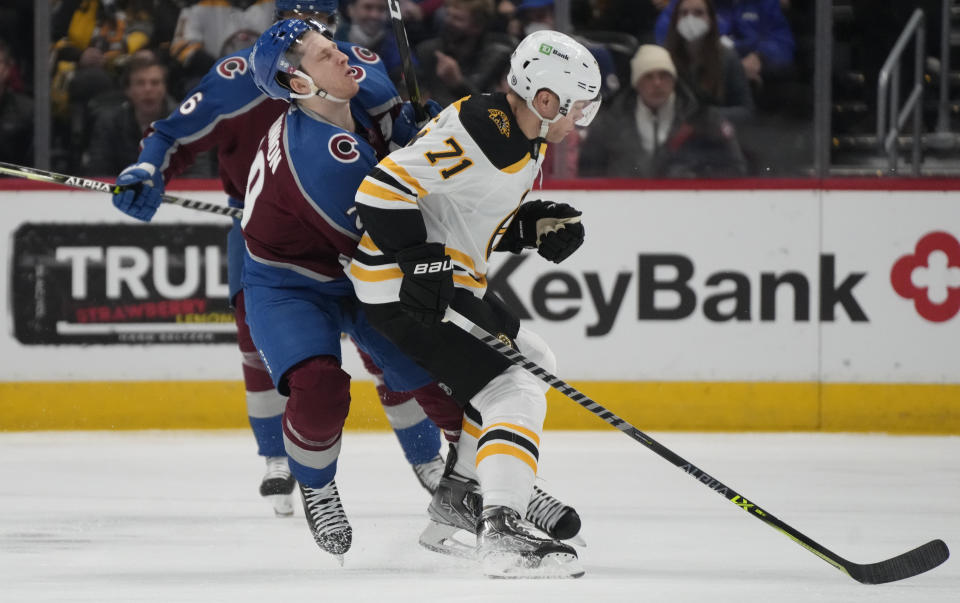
(300, 229)
(227, 110)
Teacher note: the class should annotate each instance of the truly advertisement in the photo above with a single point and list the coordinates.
(120, 284)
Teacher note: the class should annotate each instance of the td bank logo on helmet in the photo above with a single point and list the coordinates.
(550, 50)
(930, 276)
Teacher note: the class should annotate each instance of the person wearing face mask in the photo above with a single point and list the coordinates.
(658, 129)
(466, 57)
(709, 67)
(757, 30)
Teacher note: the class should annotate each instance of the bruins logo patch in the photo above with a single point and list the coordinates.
(501, 120)
(504, 340)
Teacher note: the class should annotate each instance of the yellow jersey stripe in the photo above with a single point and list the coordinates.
(394, 167)
(470, 428)
(367, 243)
(373, 276)
(369, 188)
(469, 281)
(456, 104)
(515, 167)
(495, 449)
(458, 256)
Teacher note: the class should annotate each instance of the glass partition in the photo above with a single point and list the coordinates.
(690, 88)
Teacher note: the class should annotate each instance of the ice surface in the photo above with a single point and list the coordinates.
(175, 516)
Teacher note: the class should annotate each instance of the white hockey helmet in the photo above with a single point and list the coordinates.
(554, 61)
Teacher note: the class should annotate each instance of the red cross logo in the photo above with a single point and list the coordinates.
(931, 276)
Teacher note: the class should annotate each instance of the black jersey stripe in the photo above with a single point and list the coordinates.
(393, 229)
(368, 259)
(384, 178)
(473, 414)
(513, 437)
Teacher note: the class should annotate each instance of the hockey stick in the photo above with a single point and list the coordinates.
(917, 561)
(407, 71)
(99, 186)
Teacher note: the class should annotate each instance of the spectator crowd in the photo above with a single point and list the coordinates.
(689, 86)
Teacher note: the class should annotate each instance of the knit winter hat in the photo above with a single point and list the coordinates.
(650, 57)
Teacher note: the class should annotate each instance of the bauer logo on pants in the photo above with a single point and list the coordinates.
(118, 283)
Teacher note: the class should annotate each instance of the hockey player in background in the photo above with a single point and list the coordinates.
(226, 110)
(300, 227)
(433, 212)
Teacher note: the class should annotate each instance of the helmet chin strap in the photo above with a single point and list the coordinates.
(544, 126)
(315, 90)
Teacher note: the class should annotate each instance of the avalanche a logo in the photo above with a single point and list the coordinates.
(931, 276)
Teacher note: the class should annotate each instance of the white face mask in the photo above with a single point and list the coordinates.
(692, 28)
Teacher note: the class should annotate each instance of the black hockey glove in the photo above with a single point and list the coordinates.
(427, 286)
(553, 228)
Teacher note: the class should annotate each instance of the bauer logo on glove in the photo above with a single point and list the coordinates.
(432, 267)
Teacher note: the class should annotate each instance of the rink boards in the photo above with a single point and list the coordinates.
(723, 308)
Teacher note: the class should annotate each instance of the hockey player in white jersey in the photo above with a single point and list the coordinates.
(433, 213)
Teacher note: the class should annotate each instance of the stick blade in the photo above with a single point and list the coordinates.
(919, 560)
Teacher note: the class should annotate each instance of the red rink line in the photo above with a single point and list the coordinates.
(614, 184)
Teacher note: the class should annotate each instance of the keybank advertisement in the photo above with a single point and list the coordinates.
(752, 286)
(670, 285)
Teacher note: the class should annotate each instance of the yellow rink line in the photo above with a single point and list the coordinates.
(692, 406)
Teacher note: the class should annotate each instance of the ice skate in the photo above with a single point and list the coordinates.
(277, 485)
(429, 473)
(552, 517)
(454, 512)
(506, 549)
(327, 520)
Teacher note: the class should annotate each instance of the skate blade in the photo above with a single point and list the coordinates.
(449, 540)
(512, 566)
(339, 559)
(577, 540)
(282, 504)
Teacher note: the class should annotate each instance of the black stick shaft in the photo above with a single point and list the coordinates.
(908, 564)
(99, 186)
(406, 57)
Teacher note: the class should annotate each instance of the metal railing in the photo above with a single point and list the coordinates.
(943, 109)
(888, 90)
